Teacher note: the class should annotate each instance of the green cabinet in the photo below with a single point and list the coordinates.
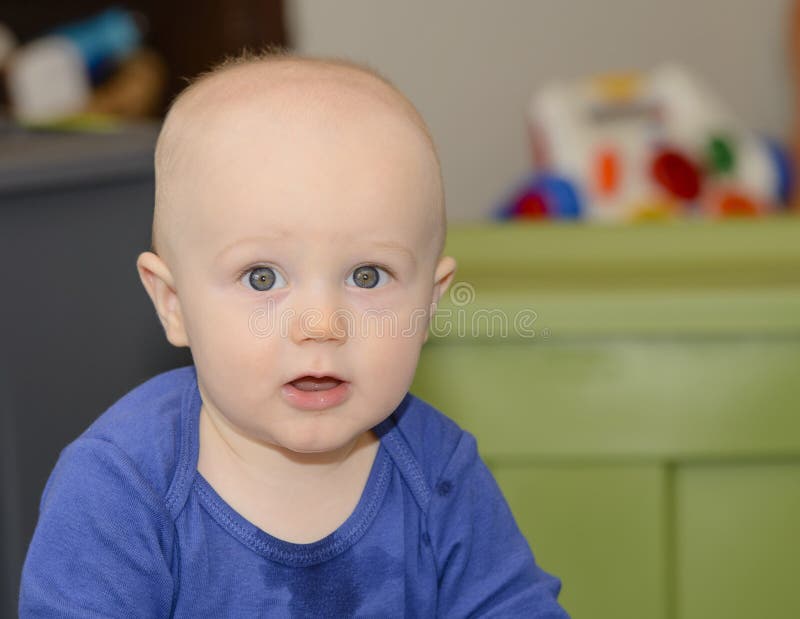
(738, 539)
(635, 391)
(602, 524)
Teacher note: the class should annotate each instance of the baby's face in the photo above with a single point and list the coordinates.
(306, 271)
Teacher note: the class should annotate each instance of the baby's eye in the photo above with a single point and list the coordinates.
(369, 276)
(264, 278)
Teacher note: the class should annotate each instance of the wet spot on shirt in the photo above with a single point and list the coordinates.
(444, 487)
(338, 587)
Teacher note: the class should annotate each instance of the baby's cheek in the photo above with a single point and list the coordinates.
(233, 345)
(393, 359)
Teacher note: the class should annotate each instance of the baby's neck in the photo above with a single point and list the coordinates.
(296, 497)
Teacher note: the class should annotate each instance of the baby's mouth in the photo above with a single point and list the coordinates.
(312, 383)
(316, 393)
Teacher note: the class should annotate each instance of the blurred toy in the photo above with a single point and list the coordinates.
(134, 90)
(542, 196)
(52, 76)
(629, 147)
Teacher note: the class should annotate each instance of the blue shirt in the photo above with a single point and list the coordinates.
(129, 528)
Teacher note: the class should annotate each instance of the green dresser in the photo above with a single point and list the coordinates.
(636, 391)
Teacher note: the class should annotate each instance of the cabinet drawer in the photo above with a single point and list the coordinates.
(589, 398)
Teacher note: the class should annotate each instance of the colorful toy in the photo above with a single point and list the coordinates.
(52, 77)
(544, 195)
(628, 147)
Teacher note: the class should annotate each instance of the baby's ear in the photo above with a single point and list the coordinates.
(442, 277)
(157, 280)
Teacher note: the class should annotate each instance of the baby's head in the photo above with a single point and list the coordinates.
(297, 238)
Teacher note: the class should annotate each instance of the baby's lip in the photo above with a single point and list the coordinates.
(317, 380)
(316, 391)
(333, 375)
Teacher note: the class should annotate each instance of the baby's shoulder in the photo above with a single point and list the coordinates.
(429, 436)
(145, 426)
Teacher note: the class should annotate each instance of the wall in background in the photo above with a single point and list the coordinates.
(470, 65)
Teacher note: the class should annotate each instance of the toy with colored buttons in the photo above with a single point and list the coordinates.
(645, 146)
(679, 185)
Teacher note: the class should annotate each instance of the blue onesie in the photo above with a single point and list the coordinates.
(129, 528)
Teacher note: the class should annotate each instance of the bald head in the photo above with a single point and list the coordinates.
(290, 90)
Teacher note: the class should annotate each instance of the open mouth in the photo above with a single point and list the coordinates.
(316, 393)
(311, 383)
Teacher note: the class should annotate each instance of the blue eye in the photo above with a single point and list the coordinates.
(264, 278)
(369, 276)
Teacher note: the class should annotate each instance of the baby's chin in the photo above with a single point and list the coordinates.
(321, 449)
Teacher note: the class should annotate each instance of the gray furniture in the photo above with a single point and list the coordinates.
(78, 330)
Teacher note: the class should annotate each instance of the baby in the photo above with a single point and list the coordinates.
(297, 251)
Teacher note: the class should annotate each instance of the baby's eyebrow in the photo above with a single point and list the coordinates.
(395, 246)
(256, 240)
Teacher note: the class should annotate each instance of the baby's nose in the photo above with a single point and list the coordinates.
(322, 321)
